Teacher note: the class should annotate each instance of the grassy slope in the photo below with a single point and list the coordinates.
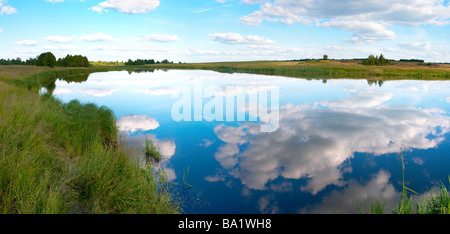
(63, 158)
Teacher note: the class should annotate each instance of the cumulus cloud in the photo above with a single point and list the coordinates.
(251, 2)
(58, 91)
(236, 38)
(361, 98)
(130, 124)
(158, 38)
(26, 42)
(424, 46)
(166, 147)
(133, 123)
(366, 19)
(127, 7)
(355, 194)
(363, 32)
(97, 37)
(314, 142)
(268, 205)
(396, 12)
(5, 9)
(98, 92)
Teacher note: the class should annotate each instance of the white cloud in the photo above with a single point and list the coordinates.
(268, 205)
(1, 30)
(251, 2)
(402, 12)
(97, 37)
(166, 147)
(98, 92)
(158, 38)
(424, 46)
(314, 142)
(363, 32)
(98, 9)
(127, 7)
(366, 19)
(59, 39)
(58, 91)
(6, 10)
(362, 98)
(133, 123)
(26, 42)
(236, 38)
(347, 201)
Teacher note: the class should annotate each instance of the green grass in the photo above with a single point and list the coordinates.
(59, 158)
(330, 69)
(151, 153)
(436, 202)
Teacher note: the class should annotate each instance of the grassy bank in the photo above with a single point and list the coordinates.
(64, 158)
(324, 69)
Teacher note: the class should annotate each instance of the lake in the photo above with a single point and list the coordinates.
(243, 143)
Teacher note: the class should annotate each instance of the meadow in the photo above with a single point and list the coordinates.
(329, 69)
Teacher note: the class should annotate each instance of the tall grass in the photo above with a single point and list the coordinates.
(151, 153)
(436, 202)
(65, 158)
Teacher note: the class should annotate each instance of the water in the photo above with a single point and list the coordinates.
(333, 145)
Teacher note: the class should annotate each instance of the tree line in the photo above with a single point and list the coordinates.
(18, 61)
(49, 60)
(145, 61)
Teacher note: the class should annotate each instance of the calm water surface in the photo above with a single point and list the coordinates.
(336, 146)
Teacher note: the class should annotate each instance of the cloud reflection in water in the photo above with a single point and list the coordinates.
(313, 142)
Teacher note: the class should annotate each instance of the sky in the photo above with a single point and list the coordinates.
(226, 30)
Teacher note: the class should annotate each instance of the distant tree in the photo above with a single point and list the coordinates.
(376, 60)
(325, 57)
(46, 59)
(382, 60)
(73, 61)
(412, 60)
(144, 62)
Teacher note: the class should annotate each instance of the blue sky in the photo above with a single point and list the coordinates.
(225, 30)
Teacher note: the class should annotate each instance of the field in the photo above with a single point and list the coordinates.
(325, 69)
